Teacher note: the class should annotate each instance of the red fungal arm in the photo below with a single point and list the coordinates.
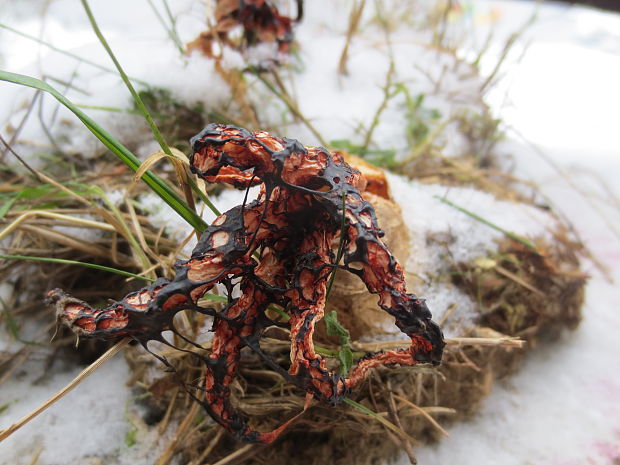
(291, 227)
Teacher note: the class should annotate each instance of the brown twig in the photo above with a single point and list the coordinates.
(354, 21)
(425, 414)
(165, 458)
(407, 446)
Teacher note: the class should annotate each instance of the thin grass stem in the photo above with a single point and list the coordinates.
(73, 262)
(290, 104)
(513, 236)
(58, 216)
(147, 116)
(171, 30)
(139, 103)
(388, 424)
(69, 54)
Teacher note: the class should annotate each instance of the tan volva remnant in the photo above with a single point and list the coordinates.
(357, 309)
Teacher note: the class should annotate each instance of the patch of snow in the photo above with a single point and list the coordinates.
(71, 429)
(464, 239)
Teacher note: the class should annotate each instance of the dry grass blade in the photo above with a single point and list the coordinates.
(238, 454)
(354, 21)
(69, 241)
(209, 448)
(450, 342)
(70, 219)
(486, 341)
(291, 104)
(407, 446)
(5, 433)
(507, 48)
(388, 424)
(17, 359)
(165, 458)
(146, 165)
(164, 422)
(510, 275)
(144, 247)
(423, 412)
(20, 126)
(115, 221)
(35, 457)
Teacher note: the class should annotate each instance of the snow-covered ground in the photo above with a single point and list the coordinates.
(562, 96)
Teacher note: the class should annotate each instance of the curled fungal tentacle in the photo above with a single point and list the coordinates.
(306, 191)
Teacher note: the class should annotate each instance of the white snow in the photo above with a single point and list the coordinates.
(426, 216)
(562, 408)
(560, 94)
(71, 429)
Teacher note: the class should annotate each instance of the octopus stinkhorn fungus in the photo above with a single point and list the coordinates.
(279, 248)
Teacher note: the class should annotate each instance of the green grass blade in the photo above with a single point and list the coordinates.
(12, 327)
(7, 206)
(170, 30)
(140, 104)
(158, 185)
(202, 196)
(215, 298)
(173, 27)
(73, 262)
(136, 96)
(109, 109)
(513, 236)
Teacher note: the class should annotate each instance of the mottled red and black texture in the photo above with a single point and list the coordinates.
(280, 249)
(260, 21)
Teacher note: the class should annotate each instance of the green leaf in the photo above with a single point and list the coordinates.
(345, 355)
(334, 328)
(7, 206)
(159, 186)
(130, 436)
